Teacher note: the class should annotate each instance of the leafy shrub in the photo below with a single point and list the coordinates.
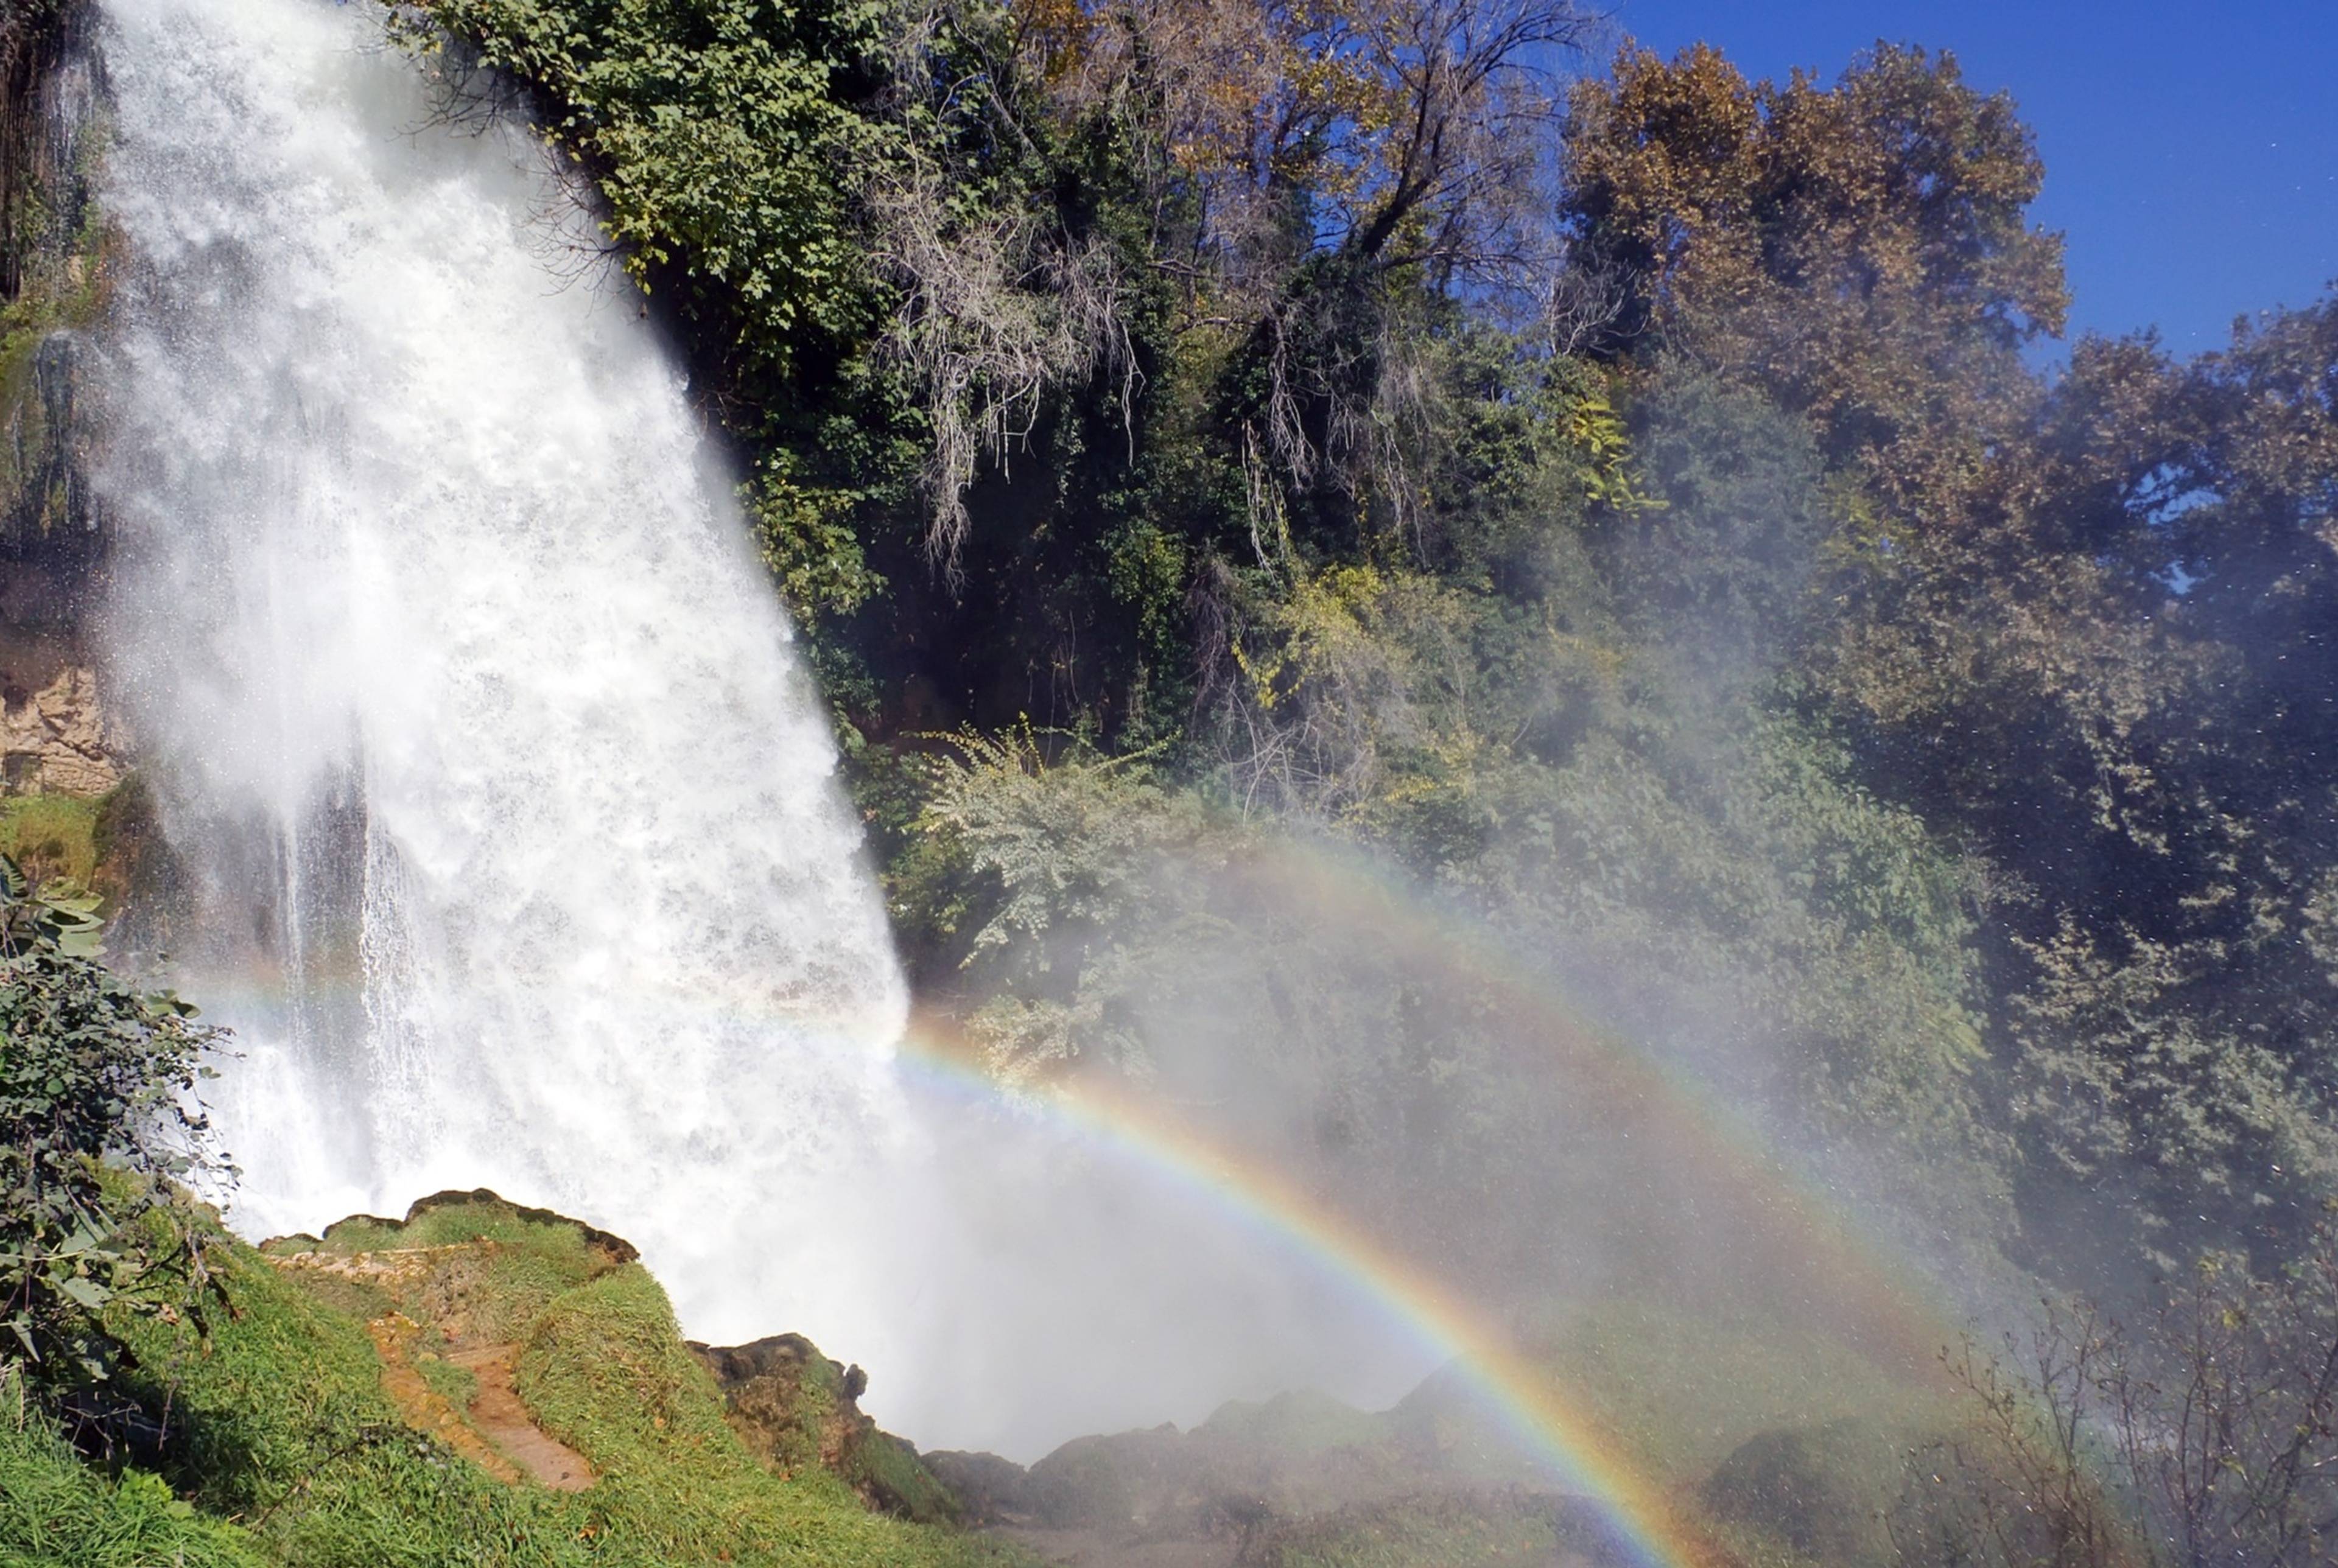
(97, 1126)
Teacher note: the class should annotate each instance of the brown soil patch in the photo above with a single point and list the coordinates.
(446, 1286)
(503, 1420)
(424, 1407)
(497, 1432)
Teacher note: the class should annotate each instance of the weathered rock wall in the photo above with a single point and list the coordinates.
(55, 734)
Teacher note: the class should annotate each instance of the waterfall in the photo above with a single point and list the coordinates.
(514, 852)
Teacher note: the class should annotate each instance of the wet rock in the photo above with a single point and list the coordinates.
(990, 1490)
(55, 736)
(1822, 1490)
(796, 1409)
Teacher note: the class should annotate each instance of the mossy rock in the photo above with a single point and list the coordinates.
(1823, 1491)
(1296, 1424)
(798, 1410)
(55, 274)
(989, 1489)
(1115, 1481)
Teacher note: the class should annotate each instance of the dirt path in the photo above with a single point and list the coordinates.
(424, 1407)
(503, 1420)
(496, 1433)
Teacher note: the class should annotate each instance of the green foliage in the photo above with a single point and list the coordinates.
(1062, 842)
(1743, 640)
(1722, 570)
(808, 543)
(96, 1126)
(53, 837)
(714, 128)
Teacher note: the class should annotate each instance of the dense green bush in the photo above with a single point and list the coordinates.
(97, 1129)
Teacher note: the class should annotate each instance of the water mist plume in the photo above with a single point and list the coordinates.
(479, 731)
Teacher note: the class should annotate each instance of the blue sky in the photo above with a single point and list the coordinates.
(2191, 150)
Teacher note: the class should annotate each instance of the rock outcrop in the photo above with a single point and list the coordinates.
(458, 1294)
(1301, 1477)
(55, 736)
(796, 1408)
(55, 268)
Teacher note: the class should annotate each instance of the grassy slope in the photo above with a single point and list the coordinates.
(281, 1426)
(57, 1513)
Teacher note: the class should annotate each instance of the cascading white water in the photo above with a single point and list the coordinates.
(516, 857)
(476, 719)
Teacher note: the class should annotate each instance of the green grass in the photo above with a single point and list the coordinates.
(1683, 1390)
(290, 1454)
(286, 1451)
(606, 1372)
(56, 1512)
(455, 1385)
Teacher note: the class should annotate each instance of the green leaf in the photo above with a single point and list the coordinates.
(87, 1292)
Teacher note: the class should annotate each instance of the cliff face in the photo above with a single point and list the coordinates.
(54, 734)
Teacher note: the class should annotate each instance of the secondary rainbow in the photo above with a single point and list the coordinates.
(1867, 1287)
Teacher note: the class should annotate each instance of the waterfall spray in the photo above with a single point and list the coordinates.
(479, 731)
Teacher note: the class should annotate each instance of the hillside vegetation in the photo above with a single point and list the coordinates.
(1390, 578)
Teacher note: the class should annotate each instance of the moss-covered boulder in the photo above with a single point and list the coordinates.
(1824, 1491)
(799, 1410)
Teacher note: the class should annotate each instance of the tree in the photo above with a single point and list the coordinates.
(1861, 249)
(2205, 1435)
